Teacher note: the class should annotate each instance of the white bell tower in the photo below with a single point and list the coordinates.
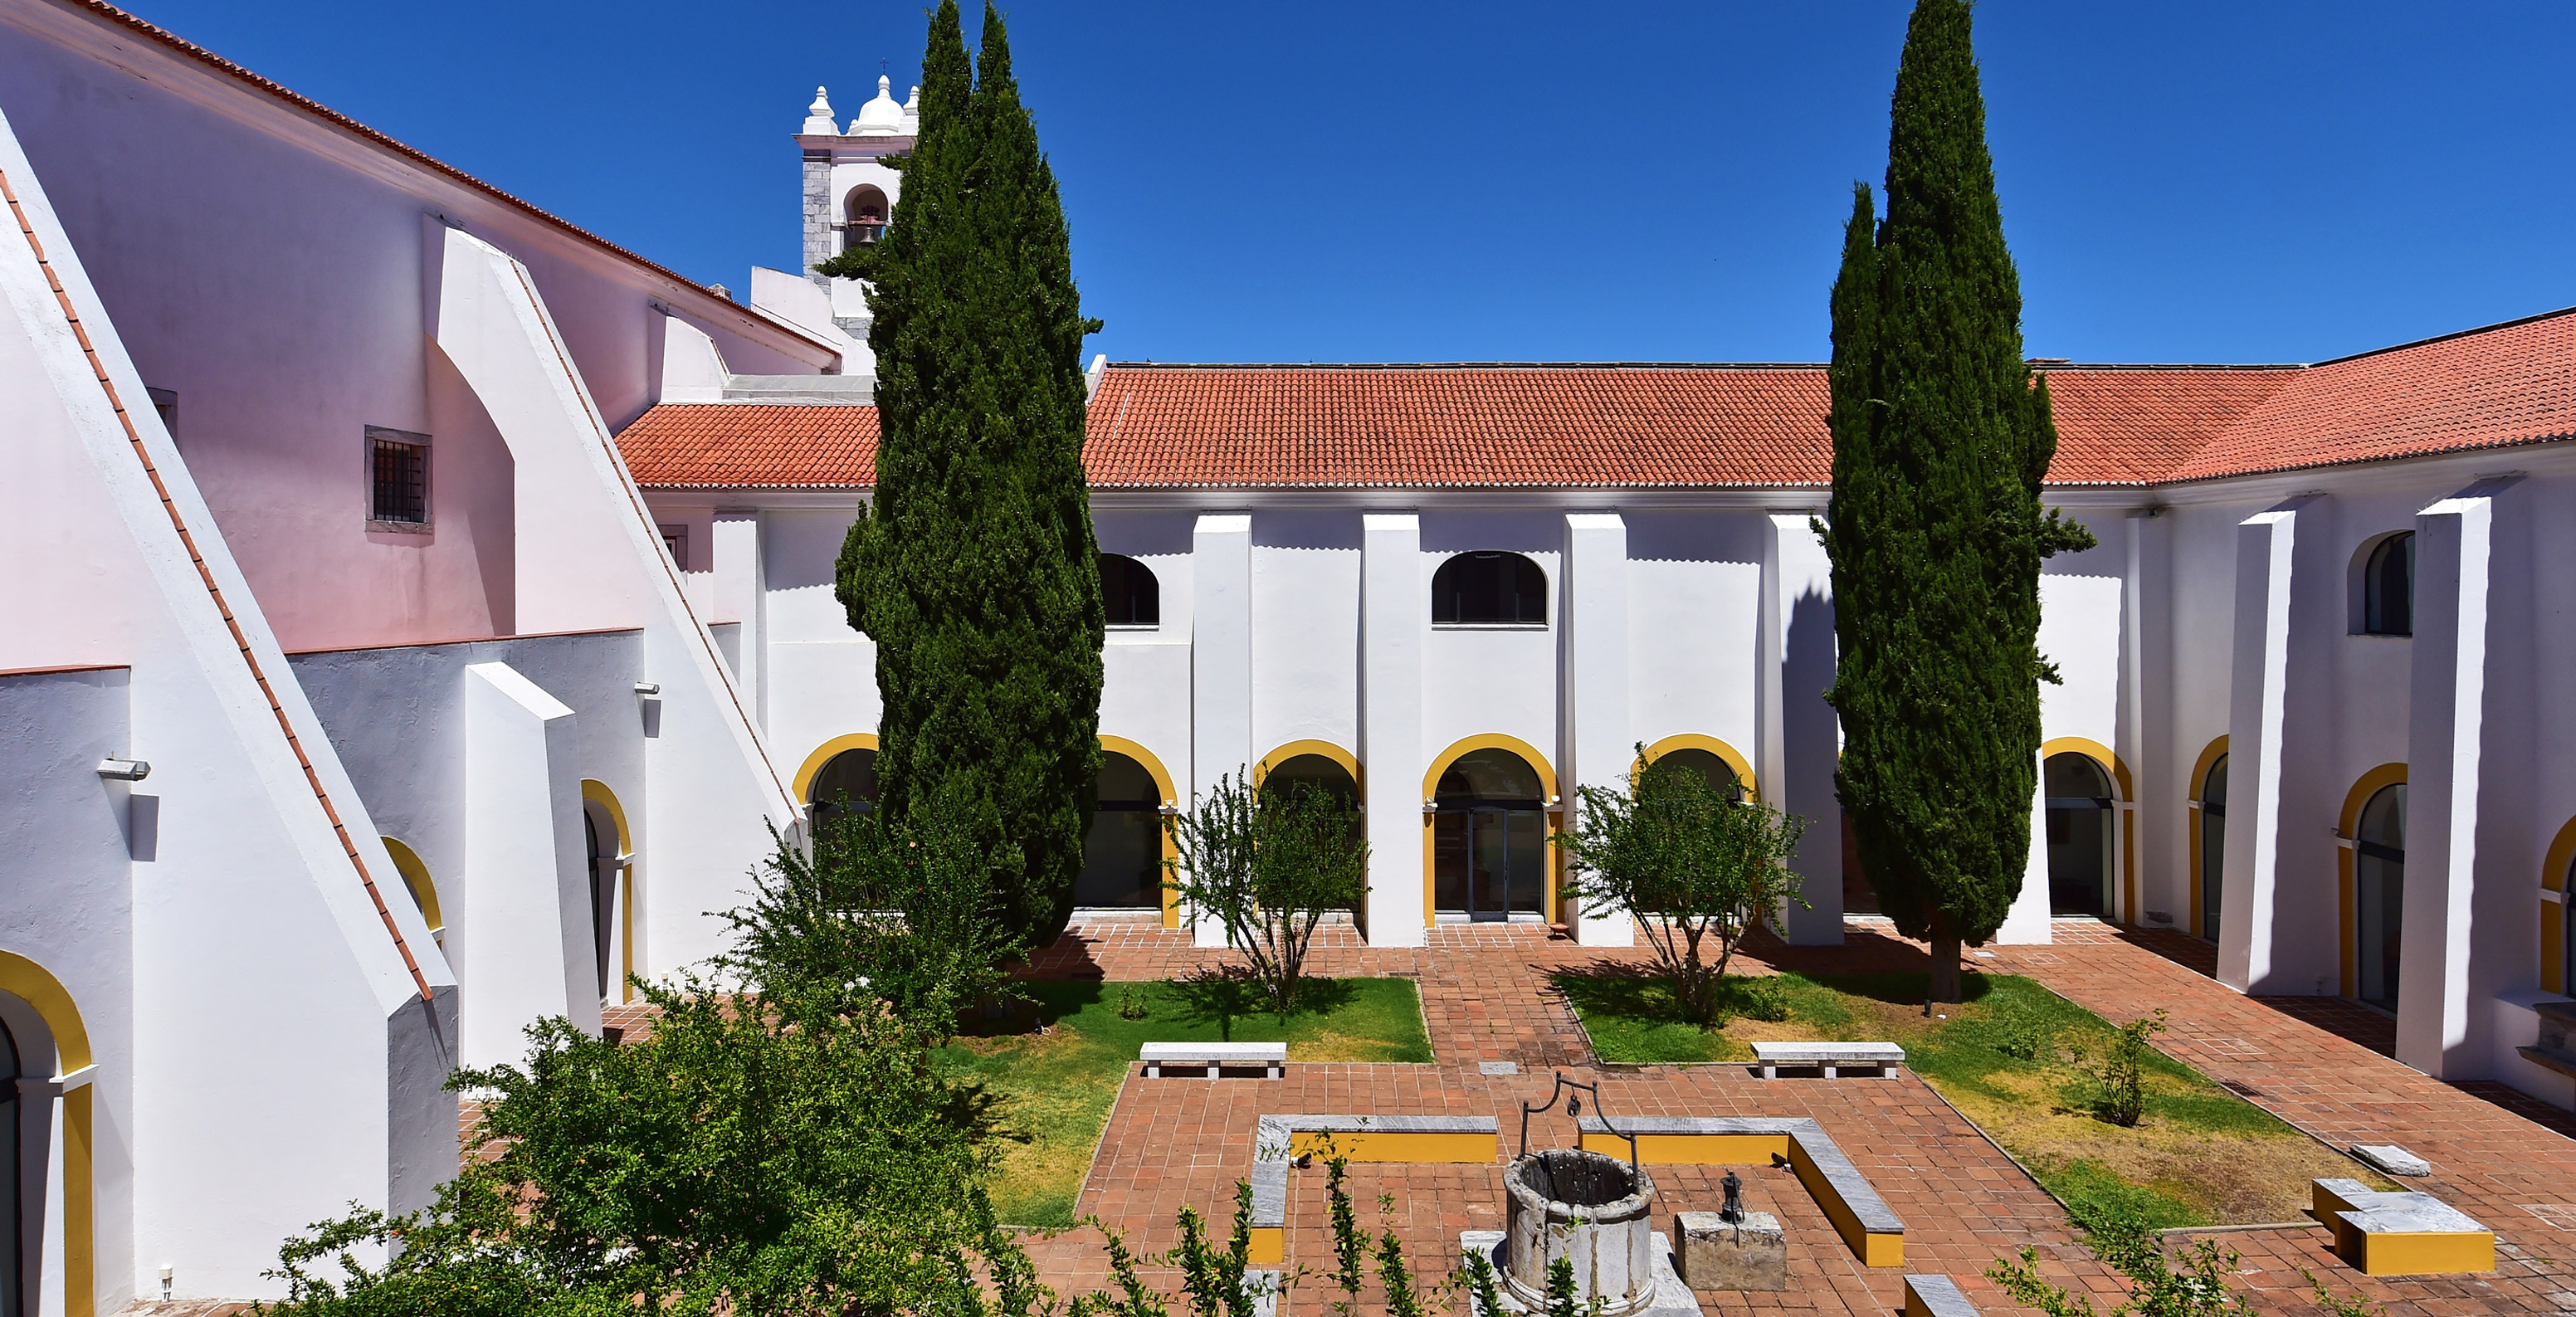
(849, 197)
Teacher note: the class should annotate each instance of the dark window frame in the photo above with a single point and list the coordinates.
(398, 499)
(1127, 607)
(2388, 586)
(1452, 591)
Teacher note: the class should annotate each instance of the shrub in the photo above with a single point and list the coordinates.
(1268, 865)
(2121, 1089)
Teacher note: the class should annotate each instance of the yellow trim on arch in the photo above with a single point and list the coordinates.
(2347, 913)
(415, 875)
(1431, 787)
(1696, 741)
(597, 793)
(35, 985)
(2209, 757)
(2125, 820)
(1171, 845)
(1350, 762)
(823, 755)
(2554, 916)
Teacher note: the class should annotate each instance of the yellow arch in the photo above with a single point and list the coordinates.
(35, 985)
(823, 755)
(2369, 784)
(1171, 797)
(2554, 915)
(1431, 787)
(597, 793)
(2209, 757)
(1350, 762)
(2119, 771)
(1695, 741)
(415, 875)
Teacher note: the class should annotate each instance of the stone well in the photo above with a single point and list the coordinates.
(1591, 1209)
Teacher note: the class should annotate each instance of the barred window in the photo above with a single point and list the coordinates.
(398, 477)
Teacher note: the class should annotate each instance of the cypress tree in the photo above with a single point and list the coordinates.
(1941, 437)
(975, 572)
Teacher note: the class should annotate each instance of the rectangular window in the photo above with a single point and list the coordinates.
(397, 480)
(676, 539)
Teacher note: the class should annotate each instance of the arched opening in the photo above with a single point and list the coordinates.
(13, 1181)
(1714, 770)
(2388, 586)
(864, 212)
(1489, 589)
(49, 1223)
(1122, 855)
(609, 847)
(1129, 592)
(1314, 772)
(846, 783)
(2213, 846)
(424, 890)
(2379, 896)
(2080, 811)
(1489, 837)
(603, 893)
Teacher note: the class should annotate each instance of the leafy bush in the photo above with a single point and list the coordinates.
(2121, 1096)
(1268, 865)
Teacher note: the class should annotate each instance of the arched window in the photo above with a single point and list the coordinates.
(846, 781)
(1715, 770)
(2388, 587)
(2213, 846)
(1312, 772)
(2379, 895)
(603, 869)
(1489, 589)
(1134, 598)
(1489, 837)
(2080, 809)
(424, 891)
(865, 210)
(1122, 856)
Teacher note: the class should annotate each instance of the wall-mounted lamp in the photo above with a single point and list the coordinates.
(124, 770)
(648, 688)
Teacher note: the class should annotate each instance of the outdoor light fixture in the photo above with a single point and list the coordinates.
(648, 688)
(124, 770)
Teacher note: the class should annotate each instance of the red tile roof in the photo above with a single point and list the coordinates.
(1636, 426)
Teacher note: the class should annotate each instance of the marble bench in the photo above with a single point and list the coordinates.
(1271, 1057)
(1828, 1057)
(2402, 1233)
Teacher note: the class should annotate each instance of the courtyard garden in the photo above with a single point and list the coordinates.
(1052, 1067)
(2037, 1073)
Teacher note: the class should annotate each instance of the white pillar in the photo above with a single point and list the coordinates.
(1597, 744)
(741, 597)
(521, 935)
(2264, 836)
(2441, 1019)
(2026, 924)
(1801, 735)
(1395, 610)
(1220, 664)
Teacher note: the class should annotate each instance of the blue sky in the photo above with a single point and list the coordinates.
(1513, 181)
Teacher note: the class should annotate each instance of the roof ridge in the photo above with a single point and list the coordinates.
(1467, 365)
(2457, 333)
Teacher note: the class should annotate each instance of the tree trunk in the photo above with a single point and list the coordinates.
(1945, 960)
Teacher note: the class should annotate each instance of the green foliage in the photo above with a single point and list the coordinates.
(1560, 1288)
(1211, 1278)
(1941, 436)
(898, 912)
(1132, 1004)
(2100, 1202)
(749, 1154)
(1638, 1019)
(1695, 867)
(1476, 1277)
(2339, 1305)
(1397, 1277)
(2122, 1096)
(2192, 1283)
(973, 567)
(1269, 864)
(1350, 1243)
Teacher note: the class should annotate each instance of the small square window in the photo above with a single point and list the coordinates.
(676, 539)
(397, 480)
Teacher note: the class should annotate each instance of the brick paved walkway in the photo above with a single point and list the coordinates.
(1486, 998)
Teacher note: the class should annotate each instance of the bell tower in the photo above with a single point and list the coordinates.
(849, 192)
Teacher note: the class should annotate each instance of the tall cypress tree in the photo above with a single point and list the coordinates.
(975, 571)
(1941, 437)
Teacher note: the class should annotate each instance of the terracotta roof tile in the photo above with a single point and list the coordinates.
(1643, 426)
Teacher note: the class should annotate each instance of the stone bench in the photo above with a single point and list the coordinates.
(1271, 1057)
(1936, 1296)
(2402, 1233)
(1828, 1057)
(1858, 1214)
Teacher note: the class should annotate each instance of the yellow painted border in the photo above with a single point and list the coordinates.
(823, 755)
(1430, 787)
(2125, 820)
(1696, 741)
(2209, 757)
(2553, 914)
(1171, 796)
(415, 875)
(1269, 1246)
(597, 792)
(2346, 897)
(1873, 1248)
(1350, 762)
(35, 985)
(1478, 1148)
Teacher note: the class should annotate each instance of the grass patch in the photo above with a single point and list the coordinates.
(1054, 1066)
(2014, 1058)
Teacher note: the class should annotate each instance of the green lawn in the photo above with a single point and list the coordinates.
(1055, 1067)
(2014, 1059)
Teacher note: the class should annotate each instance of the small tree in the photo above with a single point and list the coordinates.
(1695, 867)
(1269, 864)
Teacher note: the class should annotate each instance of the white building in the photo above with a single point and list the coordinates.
(457, 709)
